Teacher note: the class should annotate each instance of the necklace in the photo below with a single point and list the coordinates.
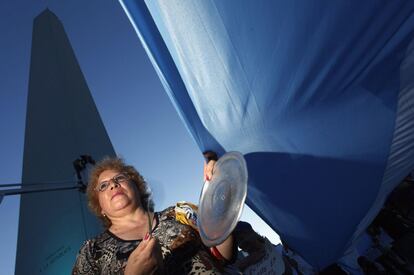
(150, 223)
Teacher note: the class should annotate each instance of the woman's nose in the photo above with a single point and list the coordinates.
(114, 185)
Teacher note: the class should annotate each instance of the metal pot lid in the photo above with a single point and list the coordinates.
(222, 199)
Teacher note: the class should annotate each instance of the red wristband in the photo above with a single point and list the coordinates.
(216, 253)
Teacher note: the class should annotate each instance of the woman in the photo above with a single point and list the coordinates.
(136, 240)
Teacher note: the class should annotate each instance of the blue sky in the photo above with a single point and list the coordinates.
(141, 121)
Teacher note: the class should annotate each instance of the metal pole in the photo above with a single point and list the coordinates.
(24, 191)
(36, 183)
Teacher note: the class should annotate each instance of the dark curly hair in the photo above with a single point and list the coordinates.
(116, 164)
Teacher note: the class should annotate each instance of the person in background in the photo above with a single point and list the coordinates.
(249, 242)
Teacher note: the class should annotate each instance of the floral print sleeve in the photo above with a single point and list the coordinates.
(85, 263)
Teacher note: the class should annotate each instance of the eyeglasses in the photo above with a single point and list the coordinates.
(118, 179)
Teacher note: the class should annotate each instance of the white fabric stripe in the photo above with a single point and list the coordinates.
(401, 159)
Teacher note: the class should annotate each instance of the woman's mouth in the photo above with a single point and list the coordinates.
(116, 194)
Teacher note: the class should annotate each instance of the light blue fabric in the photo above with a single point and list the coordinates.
(308, 91)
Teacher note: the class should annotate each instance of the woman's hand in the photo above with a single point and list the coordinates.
(208, 170)
(145, 259)
(211, 159)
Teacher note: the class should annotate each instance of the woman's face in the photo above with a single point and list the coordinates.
(117, 199)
